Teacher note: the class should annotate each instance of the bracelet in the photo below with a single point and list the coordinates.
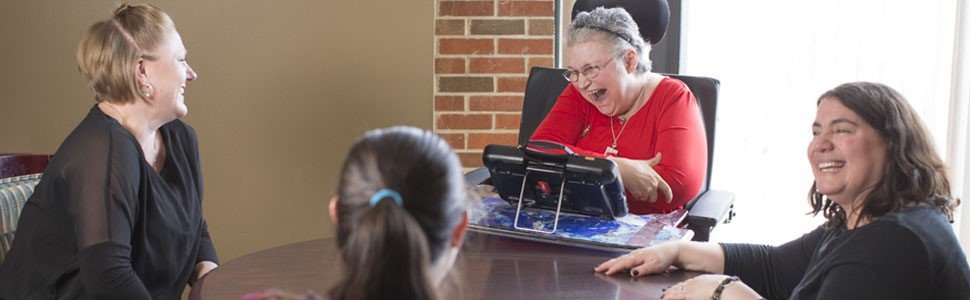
(720, 288)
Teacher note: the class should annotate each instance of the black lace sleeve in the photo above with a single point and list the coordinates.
(207, 252)
(101, 186)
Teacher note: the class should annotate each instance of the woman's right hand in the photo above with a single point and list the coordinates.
(641, 262)
(641, 180)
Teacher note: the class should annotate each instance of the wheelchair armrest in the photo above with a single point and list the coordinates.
(478, 176)
(710, 209)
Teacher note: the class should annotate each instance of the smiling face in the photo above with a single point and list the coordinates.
(168, 72)
(847, 154)
(609, 90)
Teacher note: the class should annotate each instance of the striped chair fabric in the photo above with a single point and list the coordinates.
(14, 192)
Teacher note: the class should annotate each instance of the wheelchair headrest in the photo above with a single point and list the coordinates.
(651, 16)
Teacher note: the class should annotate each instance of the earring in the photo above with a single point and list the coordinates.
(148, 90)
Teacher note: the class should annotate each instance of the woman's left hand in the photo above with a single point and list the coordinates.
(641, 180)
(703, 286)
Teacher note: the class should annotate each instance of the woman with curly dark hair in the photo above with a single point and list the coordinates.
(885, 194)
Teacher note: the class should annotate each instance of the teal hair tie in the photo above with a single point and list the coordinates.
(384, 193)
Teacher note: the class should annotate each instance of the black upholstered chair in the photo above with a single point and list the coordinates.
(652, 16)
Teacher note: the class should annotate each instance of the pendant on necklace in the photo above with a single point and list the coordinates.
(610, 150)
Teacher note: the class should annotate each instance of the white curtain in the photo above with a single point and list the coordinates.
(959, 136)
(774, 58)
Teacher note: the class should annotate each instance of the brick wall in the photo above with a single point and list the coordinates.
(483, 53)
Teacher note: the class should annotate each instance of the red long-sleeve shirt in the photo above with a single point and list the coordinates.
(669, 123)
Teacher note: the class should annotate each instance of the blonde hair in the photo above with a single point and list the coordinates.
(109, 50)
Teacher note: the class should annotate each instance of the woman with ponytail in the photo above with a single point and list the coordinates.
(400, 215)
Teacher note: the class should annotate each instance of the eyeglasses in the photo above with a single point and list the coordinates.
(589, 72)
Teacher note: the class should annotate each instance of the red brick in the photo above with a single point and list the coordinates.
(511, 84)
(547, 62)
(496, 65)
(470, 160)
(523, 46)
(497, 27)
(449, 27)
(495, 103)
(459, 121)
(465, 84)
(526, 8)
(455, 140)
(467, 46)
(480, 140)
(449, 65)
(507, 121)
(542, 27)
(449, 103)
(467, 8)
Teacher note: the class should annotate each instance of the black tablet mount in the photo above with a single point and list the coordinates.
(550, 176)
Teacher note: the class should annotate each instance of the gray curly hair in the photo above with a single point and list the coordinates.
(613, 26)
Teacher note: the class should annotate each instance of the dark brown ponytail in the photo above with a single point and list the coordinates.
(388, 248)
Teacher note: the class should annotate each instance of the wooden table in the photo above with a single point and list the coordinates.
(490, 267)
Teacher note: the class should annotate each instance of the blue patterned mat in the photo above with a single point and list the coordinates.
(630, 231)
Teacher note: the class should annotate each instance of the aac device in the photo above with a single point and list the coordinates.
(541, 178)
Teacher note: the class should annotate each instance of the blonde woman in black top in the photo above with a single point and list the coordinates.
(118, 212)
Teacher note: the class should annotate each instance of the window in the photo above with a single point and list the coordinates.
(774, 58)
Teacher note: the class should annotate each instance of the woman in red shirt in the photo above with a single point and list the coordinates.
(647, 123)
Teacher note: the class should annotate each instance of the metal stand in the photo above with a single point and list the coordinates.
(518, 209)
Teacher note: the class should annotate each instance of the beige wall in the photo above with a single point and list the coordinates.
(284, 88)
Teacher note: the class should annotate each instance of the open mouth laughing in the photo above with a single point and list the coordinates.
(598, 95)
(830, 166)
